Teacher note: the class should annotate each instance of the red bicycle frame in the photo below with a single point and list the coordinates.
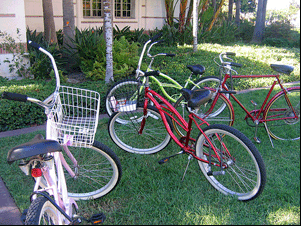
(255, 114)
(167, 109)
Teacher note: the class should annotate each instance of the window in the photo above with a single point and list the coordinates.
(92, 8)
(124, 8)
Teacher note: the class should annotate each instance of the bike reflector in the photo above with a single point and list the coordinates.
(36, 172)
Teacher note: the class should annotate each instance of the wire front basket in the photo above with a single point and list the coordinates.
(74, 117)
(125, 96)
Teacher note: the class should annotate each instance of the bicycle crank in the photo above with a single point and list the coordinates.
(164, 160)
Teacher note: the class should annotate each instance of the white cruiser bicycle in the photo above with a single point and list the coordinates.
(68, 165)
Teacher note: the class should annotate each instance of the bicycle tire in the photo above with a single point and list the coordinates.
(117, 90)
(153, 139)
(245, 175)
(222, 113)
(98, 172)
(288, 129)
(41, 212)
(212, 83)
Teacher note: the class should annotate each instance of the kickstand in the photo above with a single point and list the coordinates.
(189, 158)
(256, 130)
(266, 128)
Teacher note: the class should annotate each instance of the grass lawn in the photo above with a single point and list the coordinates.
(149, 193)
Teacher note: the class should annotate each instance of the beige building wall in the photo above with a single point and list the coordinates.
(149, 14)
(12, 17)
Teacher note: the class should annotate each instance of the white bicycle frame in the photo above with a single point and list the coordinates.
(53, 172)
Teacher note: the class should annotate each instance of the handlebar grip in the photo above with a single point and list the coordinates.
(33, 44)
(230, 54)
(157, 36)
(236, 64)
(151, 73)
(161, 40)
(170, 54)
(14, 96)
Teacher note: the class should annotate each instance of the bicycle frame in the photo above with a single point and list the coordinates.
(56, 187)
(255, 114)
(172, 83)
(167, 109)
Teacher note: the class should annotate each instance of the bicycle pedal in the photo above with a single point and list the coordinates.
(257, 140)
(254, 103)
(97, 218)
(162, 161)
(215, 173)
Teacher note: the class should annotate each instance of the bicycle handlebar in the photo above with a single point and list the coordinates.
(226, 63)
(33, 44)
(14, 96)
(157, 36)
(52, 97)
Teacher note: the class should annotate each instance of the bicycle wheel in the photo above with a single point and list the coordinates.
(98, 171)
(244, 175)
(213, 83)
(153, 138)
(118, 91)
(221, 113)
(42, 212)
(286, 129)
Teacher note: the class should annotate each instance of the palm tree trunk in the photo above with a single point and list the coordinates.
(183, 6)
(189, 14)
(216, 15)
(108, 27)
(68, 22)
(49, 26)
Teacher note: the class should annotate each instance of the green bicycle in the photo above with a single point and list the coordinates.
(115, 97)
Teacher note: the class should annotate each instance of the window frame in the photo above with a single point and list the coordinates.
(90, 2)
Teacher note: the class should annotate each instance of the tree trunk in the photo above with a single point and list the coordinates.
(169, 6)
(230, 13)
(49, 26)
(214, 5)
(189, 14)
(183, 6)
(68, 23)
(216, 15)
(195, 25)
(69, 32)
(260, 22)
(237, 14)
(108, 28)
(204, 8)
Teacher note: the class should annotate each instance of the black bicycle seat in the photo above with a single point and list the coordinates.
(285, 69)
(196, 69)
(196, 98)
(37, 146)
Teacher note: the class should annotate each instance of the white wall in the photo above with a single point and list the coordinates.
(12, 16)
(149, 14)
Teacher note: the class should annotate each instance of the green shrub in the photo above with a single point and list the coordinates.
(245, 31)
(125, 56)
(281, 34)
(18, 63)
(41, 65)
(223, 33)
(16, 115)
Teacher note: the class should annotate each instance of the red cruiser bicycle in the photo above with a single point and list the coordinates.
(227, 158)
(280, 114)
